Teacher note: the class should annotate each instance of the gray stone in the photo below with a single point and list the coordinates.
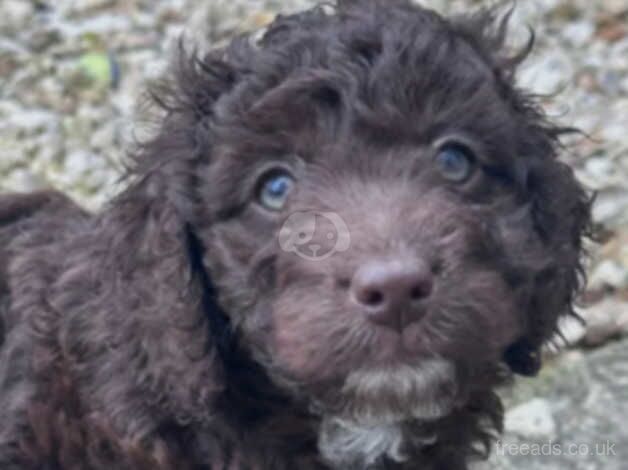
(102, 25)
(549, 74)
(611, 207)
(531, 420)
(614, 7)
(609, 273)
(77, 8)
(587, 397)
(15, 15)
(572, 331)
(579, 33)
(22, 179)
(605, 320)
(31, 121)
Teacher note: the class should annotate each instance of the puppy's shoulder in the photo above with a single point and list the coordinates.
(29, 220)
(16, 207)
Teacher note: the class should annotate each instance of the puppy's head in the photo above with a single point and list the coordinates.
(383, 215)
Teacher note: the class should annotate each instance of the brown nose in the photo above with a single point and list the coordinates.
(391, 290)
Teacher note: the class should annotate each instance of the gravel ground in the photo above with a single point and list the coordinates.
(71, 72)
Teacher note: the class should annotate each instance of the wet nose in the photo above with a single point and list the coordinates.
(391, 291)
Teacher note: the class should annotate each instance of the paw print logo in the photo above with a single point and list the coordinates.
(314, 235)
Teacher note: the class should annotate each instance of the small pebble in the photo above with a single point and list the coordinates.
(531, 420)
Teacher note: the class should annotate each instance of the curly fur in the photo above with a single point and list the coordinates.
(170, 331)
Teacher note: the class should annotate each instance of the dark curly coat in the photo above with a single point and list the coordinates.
(173, 330)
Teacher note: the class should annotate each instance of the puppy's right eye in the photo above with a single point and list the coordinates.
(274, 188)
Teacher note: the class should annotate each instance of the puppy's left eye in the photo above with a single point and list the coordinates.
(455, 162)
(274, 188)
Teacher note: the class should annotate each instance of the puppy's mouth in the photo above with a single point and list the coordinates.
(393, 347)
(388, 395)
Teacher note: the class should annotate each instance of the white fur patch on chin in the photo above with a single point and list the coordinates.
(346, 445)
(389, 395)
(377, 402)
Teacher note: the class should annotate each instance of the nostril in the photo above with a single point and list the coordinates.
(421, 290)
(373, 298)
(417, 293)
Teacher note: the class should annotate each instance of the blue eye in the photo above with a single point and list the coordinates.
(274, 190)
(455, 162)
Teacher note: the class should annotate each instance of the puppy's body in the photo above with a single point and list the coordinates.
(188, 325)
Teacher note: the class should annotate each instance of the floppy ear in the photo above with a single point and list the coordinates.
(558, 208)
(561, 212)
(152, 333)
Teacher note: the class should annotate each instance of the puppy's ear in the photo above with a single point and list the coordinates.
(561, 210)
(559, 206)
(159, 310)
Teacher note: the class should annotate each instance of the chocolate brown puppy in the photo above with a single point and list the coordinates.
(346, 234)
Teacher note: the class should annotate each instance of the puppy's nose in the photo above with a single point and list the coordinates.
(391, 290)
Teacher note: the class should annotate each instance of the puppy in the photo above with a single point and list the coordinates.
(343, 238)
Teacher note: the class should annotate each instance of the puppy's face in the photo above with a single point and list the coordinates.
(372, 219)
